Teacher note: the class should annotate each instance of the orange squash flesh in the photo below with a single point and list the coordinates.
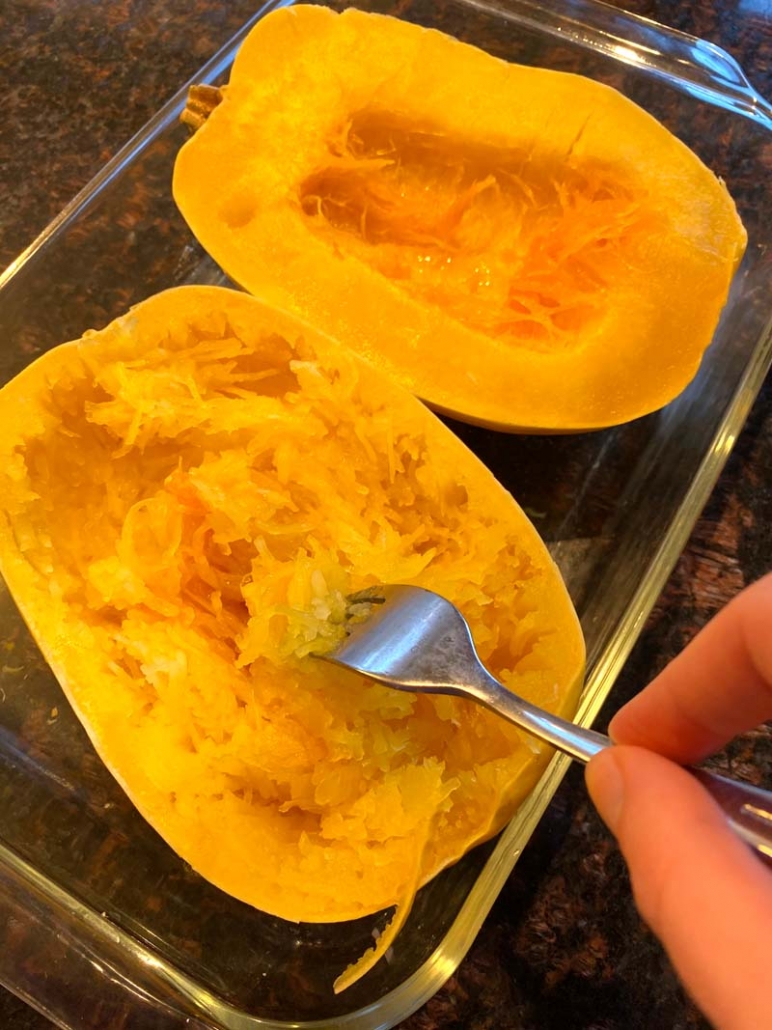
(520, 247)
(186, 499)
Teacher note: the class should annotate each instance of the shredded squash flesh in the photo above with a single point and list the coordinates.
(513, 243)
(189, 498)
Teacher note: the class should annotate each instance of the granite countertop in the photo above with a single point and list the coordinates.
(563, 946)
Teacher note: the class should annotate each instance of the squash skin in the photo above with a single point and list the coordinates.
(304, 71)
(248, 850)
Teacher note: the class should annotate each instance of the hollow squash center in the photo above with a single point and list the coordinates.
(518, 244)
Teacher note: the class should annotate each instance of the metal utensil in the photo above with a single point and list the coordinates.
(415, 640)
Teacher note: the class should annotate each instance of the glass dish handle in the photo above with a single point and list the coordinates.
(685, 62)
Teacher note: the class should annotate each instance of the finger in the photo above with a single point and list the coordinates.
(719, 686)
(703, 892)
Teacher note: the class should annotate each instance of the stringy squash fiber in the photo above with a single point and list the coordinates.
(521, 247)
(186, 499)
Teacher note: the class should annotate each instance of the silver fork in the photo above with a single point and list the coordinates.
(415, 640)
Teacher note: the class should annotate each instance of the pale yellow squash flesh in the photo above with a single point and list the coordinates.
(186, 498)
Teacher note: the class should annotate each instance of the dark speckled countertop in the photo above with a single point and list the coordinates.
(563, 946)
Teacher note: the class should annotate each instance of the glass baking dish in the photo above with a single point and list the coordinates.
(100, 923)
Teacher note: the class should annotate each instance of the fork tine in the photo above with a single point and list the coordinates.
(413, 639)
(409, 637)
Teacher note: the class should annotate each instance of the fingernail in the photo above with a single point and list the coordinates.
(606, 786)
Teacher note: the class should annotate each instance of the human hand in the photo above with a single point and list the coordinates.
(701, 890)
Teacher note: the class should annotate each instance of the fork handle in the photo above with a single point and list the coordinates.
(573, 740)
(748, 809)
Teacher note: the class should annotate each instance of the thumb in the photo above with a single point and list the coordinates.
(700, 889)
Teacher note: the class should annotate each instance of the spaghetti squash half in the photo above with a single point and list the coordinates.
(187, 497)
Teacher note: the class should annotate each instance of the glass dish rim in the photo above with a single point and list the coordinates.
(413, 992)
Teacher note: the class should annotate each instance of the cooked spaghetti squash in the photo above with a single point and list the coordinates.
(187, 497)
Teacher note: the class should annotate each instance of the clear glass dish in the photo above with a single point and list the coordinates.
(103, 925)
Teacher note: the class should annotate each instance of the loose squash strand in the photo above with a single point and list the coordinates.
(386, 938)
